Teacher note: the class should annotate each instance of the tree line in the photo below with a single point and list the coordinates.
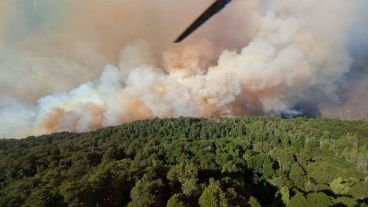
(248, 161)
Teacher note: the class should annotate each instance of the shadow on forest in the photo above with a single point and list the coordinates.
(262, 190)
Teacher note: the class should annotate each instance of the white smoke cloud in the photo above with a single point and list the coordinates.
(294, 51)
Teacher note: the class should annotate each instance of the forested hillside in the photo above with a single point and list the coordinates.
(254, 161)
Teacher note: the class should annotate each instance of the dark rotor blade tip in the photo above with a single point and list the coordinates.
(216, 7)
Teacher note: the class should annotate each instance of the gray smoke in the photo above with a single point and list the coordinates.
(257, 57)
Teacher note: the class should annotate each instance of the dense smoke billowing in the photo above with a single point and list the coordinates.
(82, 65)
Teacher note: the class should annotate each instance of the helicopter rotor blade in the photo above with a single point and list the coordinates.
(216, 7)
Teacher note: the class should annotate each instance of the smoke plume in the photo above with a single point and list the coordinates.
(82, 65)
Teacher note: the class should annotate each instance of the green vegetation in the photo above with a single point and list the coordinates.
(189, 162)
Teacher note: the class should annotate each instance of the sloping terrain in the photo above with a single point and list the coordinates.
(254, 161)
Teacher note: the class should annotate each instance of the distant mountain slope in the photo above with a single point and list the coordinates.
(254, 161)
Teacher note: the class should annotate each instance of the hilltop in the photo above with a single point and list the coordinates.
(252, 161)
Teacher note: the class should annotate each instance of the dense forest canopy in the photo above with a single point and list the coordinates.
(253, 161)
